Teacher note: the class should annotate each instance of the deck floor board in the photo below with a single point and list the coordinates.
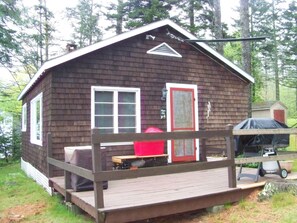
(138, 192)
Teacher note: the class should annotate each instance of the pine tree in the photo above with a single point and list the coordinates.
(266, 17)
(8, 39)
(142, 12)
(115, 14)
(289, 48)
(85, 21)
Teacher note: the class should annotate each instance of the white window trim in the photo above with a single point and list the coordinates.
(113, 89)
(24, 117)
(33, 102)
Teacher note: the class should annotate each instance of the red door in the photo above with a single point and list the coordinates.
(279, 115)
(182, 109)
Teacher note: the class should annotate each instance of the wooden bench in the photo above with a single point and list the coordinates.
(133, 161)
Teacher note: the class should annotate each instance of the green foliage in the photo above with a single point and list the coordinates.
(142, 12)
(10, 108)
(116, 14)
(9, 14)
(289, 49)
(35, 50)
(85, 21)
(246, 205)
(281, 200)
(232, 51)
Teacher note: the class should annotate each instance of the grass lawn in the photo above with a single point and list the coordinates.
(22, 200)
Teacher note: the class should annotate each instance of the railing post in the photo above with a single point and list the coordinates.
(231, 156)
(49, 154)
(203, 150)
(50, 168)
(97, 168)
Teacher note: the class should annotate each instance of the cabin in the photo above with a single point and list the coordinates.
(270, 109)
(148, 77)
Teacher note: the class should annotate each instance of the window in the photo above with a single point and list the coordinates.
(116, 110)
(36, 120)
(24, 117)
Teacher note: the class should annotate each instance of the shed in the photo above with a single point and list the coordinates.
(150, 76)
(270, 109)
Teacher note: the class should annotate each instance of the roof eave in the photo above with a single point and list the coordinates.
(77, 53)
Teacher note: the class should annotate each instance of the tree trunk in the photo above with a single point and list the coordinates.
(40, 33)
(218, 26)
(120, 15)
(275, 57)
(246, 47)
(296, 99)
(46, 29)
(191, 16)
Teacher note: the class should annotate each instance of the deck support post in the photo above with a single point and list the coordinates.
(231, 156)
(67, 179)
(97, 168)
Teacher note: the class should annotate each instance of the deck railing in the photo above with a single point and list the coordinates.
(280, 155)
(98, 176)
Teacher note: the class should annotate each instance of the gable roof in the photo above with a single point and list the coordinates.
(80, 52)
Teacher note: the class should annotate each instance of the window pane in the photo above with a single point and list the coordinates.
(103, 121)
(106, 131)
(126, 97)
(126, 109)
(103, 109)
(38, 120)
(127, 130)
(103, 96)
(127, 121)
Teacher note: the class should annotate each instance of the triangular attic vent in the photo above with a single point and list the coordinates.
(165, 50)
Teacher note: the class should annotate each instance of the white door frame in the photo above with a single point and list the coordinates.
(168, 114)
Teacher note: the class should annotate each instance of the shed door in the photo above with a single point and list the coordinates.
(183, 118)
(279, 115)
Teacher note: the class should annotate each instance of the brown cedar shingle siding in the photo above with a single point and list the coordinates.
(32, 153)
(126, 64)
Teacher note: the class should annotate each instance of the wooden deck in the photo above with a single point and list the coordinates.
(154, 196)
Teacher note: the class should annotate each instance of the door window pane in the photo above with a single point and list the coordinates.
(178, 148)
(189, 147)
(182, 108)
